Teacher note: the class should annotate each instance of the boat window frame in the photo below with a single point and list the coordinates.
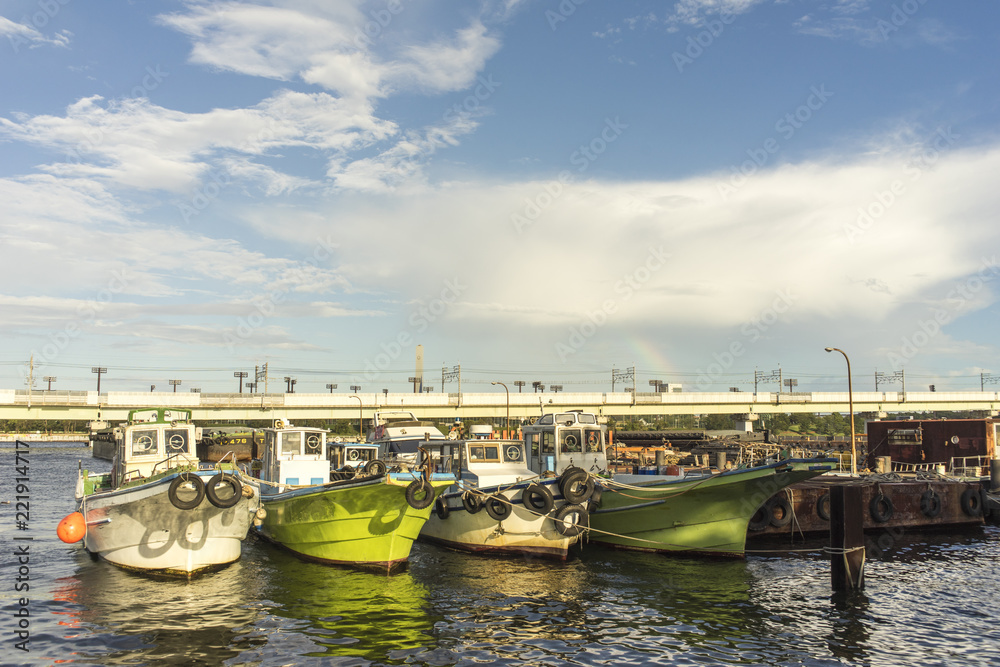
(285, 442)
(567, 433)
(168, 434)
(149, 451)
(484, 446)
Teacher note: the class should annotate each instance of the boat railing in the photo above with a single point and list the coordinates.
(167, 463)
(899, 466)
(970, 466)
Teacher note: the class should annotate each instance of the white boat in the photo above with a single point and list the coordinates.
(158, 511)
(498, 505)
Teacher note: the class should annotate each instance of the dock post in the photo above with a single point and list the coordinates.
(720, 460)
(847, 538)
(994, 475)
(661, 460)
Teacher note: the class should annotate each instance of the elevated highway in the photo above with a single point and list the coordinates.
(205, 407)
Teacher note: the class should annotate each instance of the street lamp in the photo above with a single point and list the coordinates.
(361, 416)
(174, 383)
(519, 384)
(331, 387)
(100, 370)
(506, 422)
(850, 404)
(239, 375)
(50, 379)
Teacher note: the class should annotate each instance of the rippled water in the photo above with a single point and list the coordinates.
(929, 600)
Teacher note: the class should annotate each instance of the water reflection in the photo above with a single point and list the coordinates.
(318, 611)
(134, 619)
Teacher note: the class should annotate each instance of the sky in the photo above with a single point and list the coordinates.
(699, 192)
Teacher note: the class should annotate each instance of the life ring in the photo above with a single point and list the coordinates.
(441, 508)
(564, 523)
(185, 478)
(471, 502)
(881, 508)
(375, 467)
(823, 507)
(760, 519)
(224, 501)
(497, 507)
(972, 504)
(930, 504)
(537, 498)
(576, 485)
(419, 494)
(780, 511)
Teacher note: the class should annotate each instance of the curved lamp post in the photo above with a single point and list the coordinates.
(361, 418)
(506, 423)
(850, 403)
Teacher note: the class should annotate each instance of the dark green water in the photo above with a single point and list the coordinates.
(929, 600)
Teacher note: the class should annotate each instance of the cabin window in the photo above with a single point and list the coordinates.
(533, 444)
(593, 442)
(176, 440)
(570, 441)
(480, 453)
(291, 443)
(545, 419)
(144, 442)
(904, 436)
(513, 453)
(548, 442)
(585, 418)
(314, 443)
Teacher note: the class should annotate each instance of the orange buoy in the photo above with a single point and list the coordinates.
(72, 528)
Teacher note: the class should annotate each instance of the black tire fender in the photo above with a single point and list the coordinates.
(574, 528)
(419, 494)
(761, 519)
(972, 503)
(375, 467)
(497, 507)
(537, 498)
(881, 508)
(441, 508)
(780, 511)
(471, 502)
(211, 490)
(576, 486)
(930, 504)
(823, 507)
(183, 478)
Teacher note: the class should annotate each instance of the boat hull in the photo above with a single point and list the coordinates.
(365, 524)
(523, 533)
(705, 516)
(138, 528)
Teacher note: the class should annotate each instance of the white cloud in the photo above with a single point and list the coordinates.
(19, 34)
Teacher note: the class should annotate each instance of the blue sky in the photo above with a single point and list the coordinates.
(534, 190)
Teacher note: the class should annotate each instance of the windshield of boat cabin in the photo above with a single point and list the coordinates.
(291, 443)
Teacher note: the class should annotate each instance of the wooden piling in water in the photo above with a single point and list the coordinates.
(847, 538)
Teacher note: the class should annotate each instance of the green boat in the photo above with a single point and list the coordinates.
(366, 522)
(701, 513)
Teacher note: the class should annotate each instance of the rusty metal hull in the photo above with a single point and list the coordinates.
(803, 508)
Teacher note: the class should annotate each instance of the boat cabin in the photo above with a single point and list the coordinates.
(962, 447)
(481, 461)
(559, 440)
(152, 441)
(400, 435)
(353, 455)
(293, 456)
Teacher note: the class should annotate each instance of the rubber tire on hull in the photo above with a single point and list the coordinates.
(576, 485)
(471, 502)
(930, 504)
(375, 467)
(199, 487)
(441, 508)
(537, 498)
(213, 496)
(497, 507)
(760, 519)
(571, 529)
(823, 507)
(783, 516)
(419, 494)
(972, 504)
(881, 508)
